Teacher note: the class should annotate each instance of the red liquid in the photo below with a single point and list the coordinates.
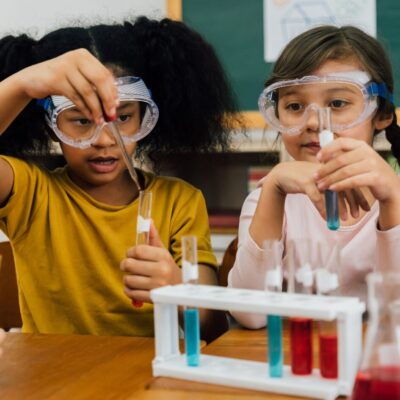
(137, 303)
(328, 359)
(301, 345)
(378, 384)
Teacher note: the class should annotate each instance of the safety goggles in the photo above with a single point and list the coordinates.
(137, 115)
(351, 96)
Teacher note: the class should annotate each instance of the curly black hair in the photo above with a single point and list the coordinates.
(197, 107)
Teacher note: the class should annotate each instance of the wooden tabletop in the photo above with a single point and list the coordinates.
(50, 367)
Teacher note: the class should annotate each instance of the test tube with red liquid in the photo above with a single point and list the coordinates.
(300, 281)
(327, 283)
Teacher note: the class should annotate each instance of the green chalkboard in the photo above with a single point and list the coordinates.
(235, 29)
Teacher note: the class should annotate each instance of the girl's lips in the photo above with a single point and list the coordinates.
(103, 164)
(312, 146)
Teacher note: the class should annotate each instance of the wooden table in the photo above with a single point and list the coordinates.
(53, 367)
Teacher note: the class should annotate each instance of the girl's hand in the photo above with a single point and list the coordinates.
(299, 177)
(351, 164)
(77, 75)
(148, 267)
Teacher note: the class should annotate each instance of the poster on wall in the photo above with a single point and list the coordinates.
(285, 19)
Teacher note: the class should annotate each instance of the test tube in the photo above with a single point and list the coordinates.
(273, 283)
(190, 275)
(143, 225)
(331, 197)
(300, 281)
(327, 282)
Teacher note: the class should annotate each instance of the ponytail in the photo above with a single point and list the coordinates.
(16, 53)
(25, 137)
(393, 136)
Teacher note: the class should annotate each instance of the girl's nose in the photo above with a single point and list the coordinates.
(105, 138)
(312, 122)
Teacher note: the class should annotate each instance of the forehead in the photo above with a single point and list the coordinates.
(334, 66)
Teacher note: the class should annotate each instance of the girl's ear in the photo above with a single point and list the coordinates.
(383, 121)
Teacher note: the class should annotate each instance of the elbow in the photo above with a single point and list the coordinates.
(250, 321)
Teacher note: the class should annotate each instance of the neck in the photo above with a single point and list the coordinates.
(118, 192)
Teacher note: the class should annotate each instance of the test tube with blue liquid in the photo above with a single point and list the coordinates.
(190, 275)
(331, 197)
(273, 283)
(143, 225)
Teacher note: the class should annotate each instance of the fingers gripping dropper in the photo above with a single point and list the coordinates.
(143, 225)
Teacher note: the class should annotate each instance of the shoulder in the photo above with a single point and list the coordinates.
(24, 168)
(169, 185)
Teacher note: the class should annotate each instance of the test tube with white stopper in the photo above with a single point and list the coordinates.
(143, 225)
(190, 275)
(273, 283)
(331, 197)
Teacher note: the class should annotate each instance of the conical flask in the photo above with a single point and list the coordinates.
(379, 375)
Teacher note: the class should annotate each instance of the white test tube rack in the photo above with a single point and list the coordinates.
(169, 362)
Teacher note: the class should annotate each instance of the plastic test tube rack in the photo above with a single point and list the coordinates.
(170, 362)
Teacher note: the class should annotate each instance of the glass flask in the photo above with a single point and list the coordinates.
(378, 377)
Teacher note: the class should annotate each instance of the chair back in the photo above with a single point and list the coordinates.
(227, 262)
(10, 316)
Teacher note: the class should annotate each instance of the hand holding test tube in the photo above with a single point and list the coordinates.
(331, 197)
(143, 225)
(190, 274)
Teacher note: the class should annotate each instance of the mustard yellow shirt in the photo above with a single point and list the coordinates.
(68, 248)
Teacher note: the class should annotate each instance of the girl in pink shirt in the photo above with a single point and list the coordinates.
(348, 71)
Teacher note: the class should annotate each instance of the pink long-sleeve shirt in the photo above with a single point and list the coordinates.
(363, 248)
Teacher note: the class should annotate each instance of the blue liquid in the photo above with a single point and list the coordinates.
(332, 210)
(192, 337)
(275, 354)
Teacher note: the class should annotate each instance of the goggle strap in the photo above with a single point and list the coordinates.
(381, 90)
(45, 103)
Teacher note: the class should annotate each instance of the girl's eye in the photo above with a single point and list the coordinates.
(82, 121)
(124, 117)
(294, 107)
(338, 103)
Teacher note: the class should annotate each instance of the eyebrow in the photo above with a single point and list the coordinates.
(295, 91)
(126, 104)
(121, 107)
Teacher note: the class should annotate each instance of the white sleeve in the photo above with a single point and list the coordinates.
(248, 270)
(388, 249)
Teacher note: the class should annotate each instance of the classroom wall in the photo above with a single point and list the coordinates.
(41, 16)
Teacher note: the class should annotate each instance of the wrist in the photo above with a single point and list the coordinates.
(271, 184)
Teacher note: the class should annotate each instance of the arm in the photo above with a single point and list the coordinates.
(77, 75)
(248, 271)
(12, 101)
(262, 218)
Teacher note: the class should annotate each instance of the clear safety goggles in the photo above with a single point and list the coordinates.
(137, 114)
(351, 96)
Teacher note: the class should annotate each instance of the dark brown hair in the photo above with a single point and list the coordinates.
(308, 51)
